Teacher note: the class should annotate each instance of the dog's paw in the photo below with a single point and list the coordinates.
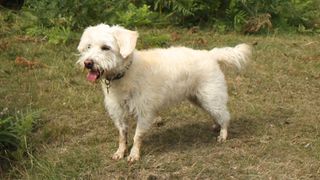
(223, 135)
(118, 155)
(134, 156)
(221, 139)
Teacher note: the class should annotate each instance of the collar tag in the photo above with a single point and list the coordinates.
(108, 84)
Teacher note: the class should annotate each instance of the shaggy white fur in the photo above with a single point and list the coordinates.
(140, 83)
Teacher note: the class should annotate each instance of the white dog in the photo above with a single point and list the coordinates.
(140, 83)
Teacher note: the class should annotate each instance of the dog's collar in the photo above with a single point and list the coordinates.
(117, 76)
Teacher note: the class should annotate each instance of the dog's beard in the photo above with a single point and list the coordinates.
(102, 65)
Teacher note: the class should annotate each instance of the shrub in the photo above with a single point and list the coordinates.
(188, 13)
(56, 20)
(14, 132)
(134, 16)
(284, 15)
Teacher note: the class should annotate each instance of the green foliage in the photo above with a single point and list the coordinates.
(57, 20)
(15, 22)
(155, 40)
(135, 16)
(303, 14)
(237, 18)
(74, 14)
(294, 14)
(8, 139)
(14, 131)
(188, 13)
(79, 14)
(55, 35)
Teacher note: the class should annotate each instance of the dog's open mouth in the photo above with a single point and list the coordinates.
(93, 75)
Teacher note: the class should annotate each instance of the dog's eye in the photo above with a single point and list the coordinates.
(105, 48)
(89, 46)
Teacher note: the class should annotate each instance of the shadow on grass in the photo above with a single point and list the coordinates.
(194, 135)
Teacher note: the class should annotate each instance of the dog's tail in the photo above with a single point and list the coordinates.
(237, 56)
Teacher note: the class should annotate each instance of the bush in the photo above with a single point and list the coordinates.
(284, 15)
(79, 14)
(14, 132)
(187, 13)
(57, 20)
(135, 16)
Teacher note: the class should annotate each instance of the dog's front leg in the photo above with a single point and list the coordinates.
(143, 125)
(118, 116)
(119, 154)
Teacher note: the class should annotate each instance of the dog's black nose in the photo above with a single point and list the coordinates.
(88, 63)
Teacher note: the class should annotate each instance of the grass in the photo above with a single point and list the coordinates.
(275, 105)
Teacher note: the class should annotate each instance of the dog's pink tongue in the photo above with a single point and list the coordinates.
(92, 76)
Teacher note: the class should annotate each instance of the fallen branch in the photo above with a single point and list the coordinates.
(21, 61)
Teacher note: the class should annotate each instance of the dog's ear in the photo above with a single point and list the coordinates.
(126, 40)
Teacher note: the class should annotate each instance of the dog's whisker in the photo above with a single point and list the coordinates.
(77, 54)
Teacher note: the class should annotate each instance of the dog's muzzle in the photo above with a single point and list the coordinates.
(94, 73)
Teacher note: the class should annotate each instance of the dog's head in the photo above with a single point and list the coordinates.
(104, 49)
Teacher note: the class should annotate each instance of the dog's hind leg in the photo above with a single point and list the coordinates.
(222, 117)
(213, 98)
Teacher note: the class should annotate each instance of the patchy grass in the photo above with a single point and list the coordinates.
(275, 105)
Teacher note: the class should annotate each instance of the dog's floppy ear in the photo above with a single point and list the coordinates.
(126, 40)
